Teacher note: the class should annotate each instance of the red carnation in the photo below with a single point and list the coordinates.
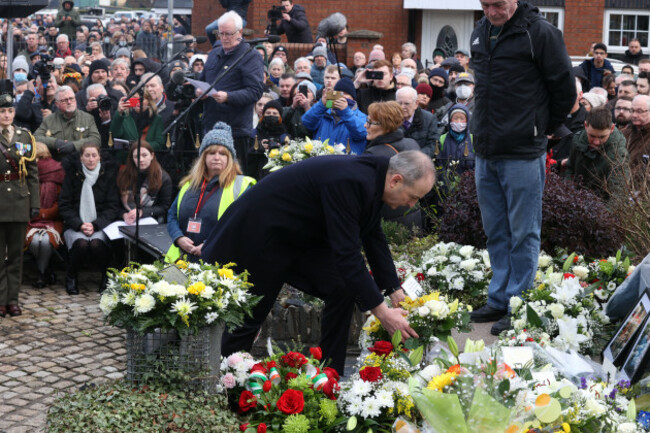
(243, 427)
(294, 359)
(419, 276)
(261, 428)
(290, 375)
(331, 388)
(291, 401)
(370, 374)
(267, 386)
(331, 373)
(247, 401)
(259, 367)
(382, 348)
(271, 364)
(316, 353)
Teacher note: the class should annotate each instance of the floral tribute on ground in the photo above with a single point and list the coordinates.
(298, 150)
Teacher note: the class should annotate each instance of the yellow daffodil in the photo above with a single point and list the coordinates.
(286, 157)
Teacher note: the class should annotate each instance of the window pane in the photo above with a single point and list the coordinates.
(629, 22)
(614, 22)
(643, 38)
(627, 37)
(614, 38)
(642, 22)
(552, 17)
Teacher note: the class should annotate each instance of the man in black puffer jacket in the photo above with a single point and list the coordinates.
(524, 91)
(294, 23)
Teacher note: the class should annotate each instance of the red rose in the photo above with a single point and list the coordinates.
(294, 359)
(271, 364)
(243, 427)
(267, 386)
(261, 428)
(316, 353)
(370, 374)
(382, 348)
(291, 401)
(290, 375)
(331, 388)
(247, 401)
(331, 373)
(259, 367)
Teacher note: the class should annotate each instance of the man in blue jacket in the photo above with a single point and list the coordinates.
(595, 67)
(238, 90)
(524, 91)
(317, 216)
(343, 124)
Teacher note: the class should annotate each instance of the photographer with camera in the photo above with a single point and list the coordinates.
(101, 108)
(98, 74)
(269, 134)
(381, 85)
(37, 102)
(337, 117)
(68, 19)
(294, 22)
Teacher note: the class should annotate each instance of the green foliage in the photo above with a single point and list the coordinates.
(396, 233)
(120, 407)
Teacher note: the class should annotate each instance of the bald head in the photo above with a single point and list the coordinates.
(640, 110)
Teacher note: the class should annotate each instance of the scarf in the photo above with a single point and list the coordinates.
(87, 210)
(458, 136)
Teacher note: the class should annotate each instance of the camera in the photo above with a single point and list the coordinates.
(275, 13)
(104, 102)
(273, 143)
(331, 96)
(181, 92)
(44, 69)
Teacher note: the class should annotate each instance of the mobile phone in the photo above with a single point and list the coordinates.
(134, 102)
(89, 50)
(374, 75)
(303, 90)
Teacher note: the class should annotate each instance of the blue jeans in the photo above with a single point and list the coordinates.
(214, 25)
(510, 197)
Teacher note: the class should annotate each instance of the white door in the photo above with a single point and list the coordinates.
(448, 29)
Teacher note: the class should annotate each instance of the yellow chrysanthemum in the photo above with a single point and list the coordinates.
(274, 153)
(286, 157)
(329, 148)
(137, 287)
(227, 273)
(439, 383)
(309, 147)
(182, 264)
(196, 288)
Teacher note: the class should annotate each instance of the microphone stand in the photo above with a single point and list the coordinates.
(207, 91)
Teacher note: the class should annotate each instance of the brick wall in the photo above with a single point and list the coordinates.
(583, 24)
(385, 16)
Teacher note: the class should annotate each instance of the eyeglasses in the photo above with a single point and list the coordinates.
(225, 34)
(640, 111)
(370, 122)
(627, 110)
(67, 100)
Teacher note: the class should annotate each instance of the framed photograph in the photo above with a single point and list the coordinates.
(619, 345)
(637, 360)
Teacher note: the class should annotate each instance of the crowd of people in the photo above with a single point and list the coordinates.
(71, 90)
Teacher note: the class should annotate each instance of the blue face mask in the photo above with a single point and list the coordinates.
(20, 76)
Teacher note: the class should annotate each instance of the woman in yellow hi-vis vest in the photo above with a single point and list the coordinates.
(214, 182)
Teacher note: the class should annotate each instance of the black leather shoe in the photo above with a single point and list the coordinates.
(41, 281)
(71, 285)
(487, 314)
(14, 310)
(502, 325)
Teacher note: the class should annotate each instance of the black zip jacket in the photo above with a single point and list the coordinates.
(524, 86)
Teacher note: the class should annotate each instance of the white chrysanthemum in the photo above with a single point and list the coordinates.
(229, 283)
(477, 275)
(544, 260)
(430, 371)
(432, 271)
(466, 251)
(108, 302)
(211, 317)
(455, 259)
(557, 310)
(594, 407)
(631, 269)
(138, 278)
(439, 309)
(183, 307)
(371, 408)
(355, 407)
(144, 303)
(519, 324)
(128, 298)
(207, 293)
(555, 278)
(515, 303)
(384, 398)
(149, 268)
(581, 272)
(360, 387)
(457, 284)
(163, 288)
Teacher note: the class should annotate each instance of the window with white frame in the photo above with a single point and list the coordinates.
(554, 16)
(621, 26)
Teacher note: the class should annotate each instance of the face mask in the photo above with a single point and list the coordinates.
(271, 120)
(463, 92)
(408, 72)
(122, 43)
(458, 126)
(20, 76)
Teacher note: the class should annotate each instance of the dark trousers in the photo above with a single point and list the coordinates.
(314, 273)
(12, 239)
(241, 147)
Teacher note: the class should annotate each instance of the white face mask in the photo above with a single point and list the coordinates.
(458, 126)
(463, 92)
(408, 72)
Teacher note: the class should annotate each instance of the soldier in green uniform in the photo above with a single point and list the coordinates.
(19, 198)
(66, 130)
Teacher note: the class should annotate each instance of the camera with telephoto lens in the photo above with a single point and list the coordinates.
(275, 13)
(44, 68)
(104, 102)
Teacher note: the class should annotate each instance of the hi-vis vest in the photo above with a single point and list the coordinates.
(228, 196)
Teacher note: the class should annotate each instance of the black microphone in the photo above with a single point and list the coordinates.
(271, 38)
(178, 77)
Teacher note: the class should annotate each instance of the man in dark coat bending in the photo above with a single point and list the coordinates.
(306, 225)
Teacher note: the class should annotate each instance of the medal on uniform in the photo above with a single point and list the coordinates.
(48, 133)
(81, 131)
(22, 148)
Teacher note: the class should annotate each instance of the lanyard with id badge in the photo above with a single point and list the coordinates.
(194, 224)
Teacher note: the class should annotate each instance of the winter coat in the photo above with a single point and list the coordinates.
(243, 85)
(68, 27)
(529, 56)
(292, 120)
(160, 199)
(126, 127)
(344, 126)
(50, 179)
(297, 29)
(638, 144)
(424, 130)
(367, 96)
(107, 200)
(594, 168)
(390, 144)
(594, 74)
(28, 111)
(633, 59)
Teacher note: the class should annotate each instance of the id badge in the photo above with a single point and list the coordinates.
(194, 225)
